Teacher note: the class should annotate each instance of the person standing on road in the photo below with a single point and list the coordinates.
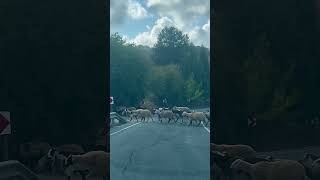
(165, 102)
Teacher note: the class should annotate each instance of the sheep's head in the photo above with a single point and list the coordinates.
(43, 164)
(68, 161)
(51, 153)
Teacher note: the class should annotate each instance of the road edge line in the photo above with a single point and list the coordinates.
(124, 128)
(205, 127)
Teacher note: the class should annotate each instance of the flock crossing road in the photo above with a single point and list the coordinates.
(158, 151)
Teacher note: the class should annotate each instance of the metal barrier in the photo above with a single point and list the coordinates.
(15, 170)
(115, 116)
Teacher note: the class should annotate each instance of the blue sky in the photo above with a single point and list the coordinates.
(140, 21)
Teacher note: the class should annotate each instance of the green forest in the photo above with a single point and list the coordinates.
(174, 69)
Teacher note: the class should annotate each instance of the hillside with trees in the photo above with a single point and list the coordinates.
(174, 69)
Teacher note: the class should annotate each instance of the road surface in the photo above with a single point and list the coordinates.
(155, 151)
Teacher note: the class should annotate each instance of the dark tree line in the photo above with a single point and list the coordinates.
(266, 60)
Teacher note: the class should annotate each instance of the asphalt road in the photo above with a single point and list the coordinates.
(155, 151)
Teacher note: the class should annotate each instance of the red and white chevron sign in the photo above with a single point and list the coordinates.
(5, 126)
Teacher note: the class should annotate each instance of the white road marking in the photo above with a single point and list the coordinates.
(124, 128)
(205, 127)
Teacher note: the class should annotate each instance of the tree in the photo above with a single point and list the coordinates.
(194, 91)
(128, 69)
(171, 46)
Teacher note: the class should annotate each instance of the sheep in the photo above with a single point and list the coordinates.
(207, 114)
(145, 113)
(276, 170)
(96, 162)
(125, 112)
(55, 161)
(56, 156)
(195, 116)
(30, 153)
(141, 113)
(311, 163)
(166, 114)
(178, 114)
(224, 161)
(134, 114)
(239, 150)
(183, 109)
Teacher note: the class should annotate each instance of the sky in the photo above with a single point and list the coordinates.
(140, 21)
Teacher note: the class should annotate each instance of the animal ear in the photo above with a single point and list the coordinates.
(311, 156)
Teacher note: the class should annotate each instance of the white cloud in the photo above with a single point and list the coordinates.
(118, 11)
(198, 35)
(183, 12)
(122, 10)
(149, 38)
(201, 36)
(147, 26)
(162, 2)
(136, 10)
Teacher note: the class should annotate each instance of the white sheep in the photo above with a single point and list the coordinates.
(145, 113)
(240, 150)
(183, 109)
(165, 114)
(276, 170)
(195, 117)
(96, 162)
(224, 161)
(55, 157)
(134, 114)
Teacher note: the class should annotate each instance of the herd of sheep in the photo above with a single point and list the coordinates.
(67, 160)
(241, 162)
(171, 115)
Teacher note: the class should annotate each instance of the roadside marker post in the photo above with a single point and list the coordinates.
(5, 131)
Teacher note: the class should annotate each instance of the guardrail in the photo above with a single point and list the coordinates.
(115, 116)
(15, 170)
